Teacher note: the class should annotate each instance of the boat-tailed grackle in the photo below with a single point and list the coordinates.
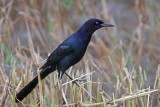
(68, 53)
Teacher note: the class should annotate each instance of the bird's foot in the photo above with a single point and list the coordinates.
(81, 80)
(72, 79)
(60, 75)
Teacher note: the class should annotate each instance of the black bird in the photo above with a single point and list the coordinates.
(68, 53)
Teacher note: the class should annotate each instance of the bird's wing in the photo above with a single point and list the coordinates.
(57, 55)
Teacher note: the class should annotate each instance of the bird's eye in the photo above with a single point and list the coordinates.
(97, 23)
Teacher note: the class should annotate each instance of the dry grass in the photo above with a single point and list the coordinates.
(121, 66)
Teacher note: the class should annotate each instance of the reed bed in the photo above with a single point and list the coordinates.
(121, 65)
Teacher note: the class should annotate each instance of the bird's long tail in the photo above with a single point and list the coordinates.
(30, 86)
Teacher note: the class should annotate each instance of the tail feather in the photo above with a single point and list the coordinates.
(30, 86)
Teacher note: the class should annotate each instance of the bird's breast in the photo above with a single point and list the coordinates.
(78, 52)
(72, 58)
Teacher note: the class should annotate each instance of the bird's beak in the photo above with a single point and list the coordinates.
(106, 25)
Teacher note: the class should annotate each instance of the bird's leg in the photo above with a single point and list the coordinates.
(76, 79)
(72, 79)
(59, 75)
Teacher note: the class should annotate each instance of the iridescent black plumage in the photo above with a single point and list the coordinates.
(68, 53)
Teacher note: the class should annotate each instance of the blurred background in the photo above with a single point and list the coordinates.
(31, 29)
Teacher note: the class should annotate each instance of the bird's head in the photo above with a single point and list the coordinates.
(91, 25)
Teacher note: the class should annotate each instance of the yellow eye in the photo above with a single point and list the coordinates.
(97, 23)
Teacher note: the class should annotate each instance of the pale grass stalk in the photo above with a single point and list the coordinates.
(148, 97)
(103, 99)
(60, 92)
(94, 82)
(64, 97)
(129, 79)
(157, 76)
(56, 100)
(89, 85)
(112, 65)
(78, 78)
(99, 89)
(65, 89)
(71, 93)
(80, 85)
(3, 75)
(118, 85)
(31, 46)
(40, 89)
(35, 97)
(133, 96)
(51, 89)
(114, 99)
(120, 99)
